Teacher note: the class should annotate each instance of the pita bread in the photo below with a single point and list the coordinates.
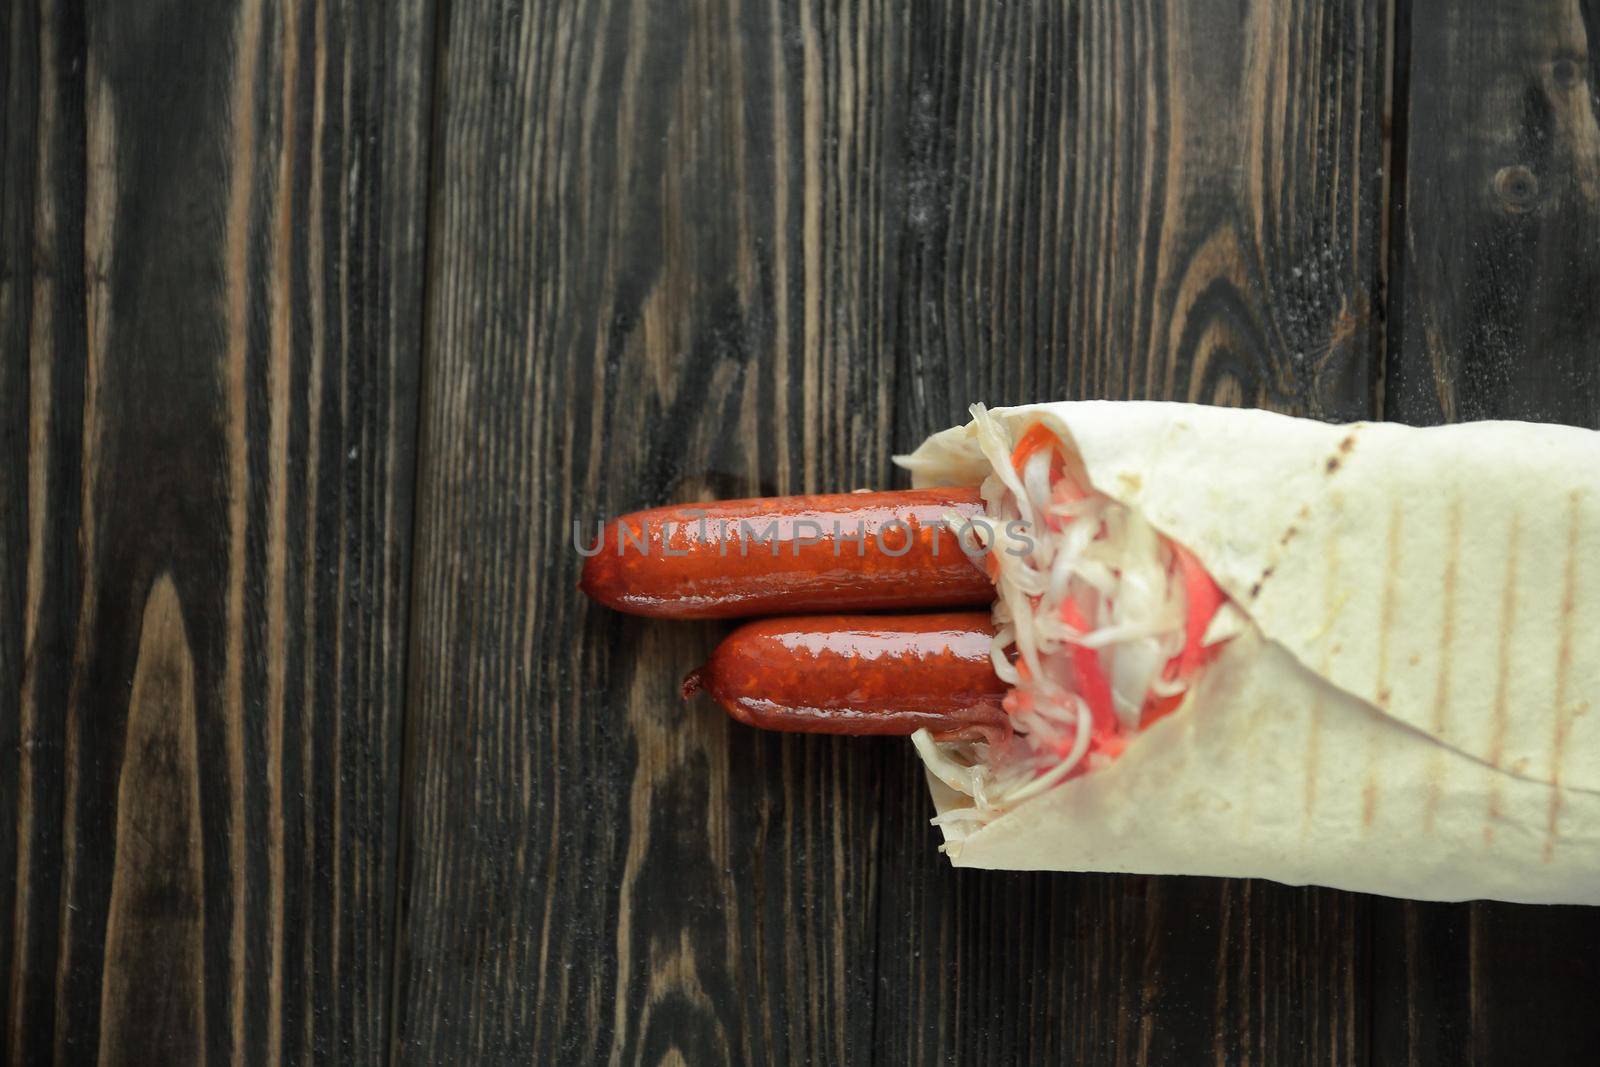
(1408, 707)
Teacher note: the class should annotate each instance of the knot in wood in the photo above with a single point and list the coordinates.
(1516, 187)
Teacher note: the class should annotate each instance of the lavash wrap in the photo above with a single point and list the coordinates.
(1407, 703)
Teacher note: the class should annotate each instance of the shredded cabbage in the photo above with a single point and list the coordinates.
(1092, 579)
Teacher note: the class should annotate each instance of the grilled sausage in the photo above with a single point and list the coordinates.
(786, 555)
(892, 674)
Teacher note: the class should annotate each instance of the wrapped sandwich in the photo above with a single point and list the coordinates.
(1195, 641)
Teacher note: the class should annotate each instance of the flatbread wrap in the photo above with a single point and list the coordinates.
(1400, 689)
(1186, 640)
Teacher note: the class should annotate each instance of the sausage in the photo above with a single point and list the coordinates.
(891, 674)
(787, 555)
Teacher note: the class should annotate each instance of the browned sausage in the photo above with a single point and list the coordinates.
(785, 555)
(891, 674)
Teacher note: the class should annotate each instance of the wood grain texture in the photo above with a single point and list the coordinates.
(1178, 201)
(44, 331)
(1500, 213)
(277, 784)
(20, 83)
(696, 253)
(1175, 201)
(665, 244)
(1495, 316)
(211, 314)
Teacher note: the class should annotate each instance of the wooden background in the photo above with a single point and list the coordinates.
(321, 323)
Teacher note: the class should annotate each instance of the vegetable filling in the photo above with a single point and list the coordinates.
(1100, 624)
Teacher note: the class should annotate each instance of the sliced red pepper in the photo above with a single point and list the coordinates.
(1039, 436)
(1108, 745)
(1204, 598)
(1157, 708)
(1064, 489)
(1202, 595)
(1093, 685)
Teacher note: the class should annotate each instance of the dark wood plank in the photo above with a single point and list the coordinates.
(45, 332)
(665, 247)
(566, 818)
(1496, 317)
(212, 295)
(19, 113)
(1180, 201)
(1496, 298)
